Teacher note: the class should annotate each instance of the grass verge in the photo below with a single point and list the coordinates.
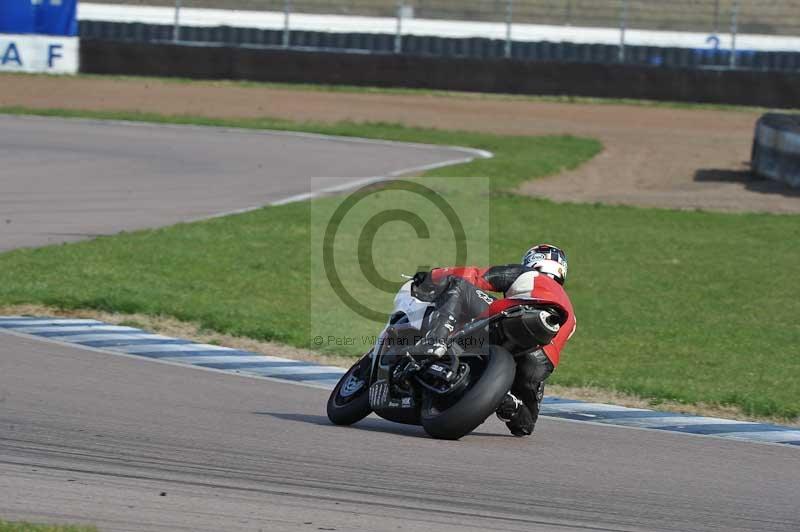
(7, 526)
(665, 299)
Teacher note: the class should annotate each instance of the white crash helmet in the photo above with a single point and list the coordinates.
(548, 260)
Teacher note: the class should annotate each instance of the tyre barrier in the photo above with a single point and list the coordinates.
(595, 80)
(776, 148)
(429, 45)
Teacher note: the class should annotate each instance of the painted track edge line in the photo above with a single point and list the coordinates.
(652, 429)
(478, 153)
(474, 153)
(344, 187)
(160, 361)
(324, 378)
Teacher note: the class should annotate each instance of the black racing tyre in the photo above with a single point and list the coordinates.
(479, 401)
(349, 400)
(755, 156)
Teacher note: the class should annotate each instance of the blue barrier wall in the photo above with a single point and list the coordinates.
(45, 17)
(39, 36)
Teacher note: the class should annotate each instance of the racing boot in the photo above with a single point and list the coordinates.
(520, 416)
(516, 416)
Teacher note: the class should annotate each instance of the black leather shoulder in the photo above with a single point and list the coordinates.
(502, 277)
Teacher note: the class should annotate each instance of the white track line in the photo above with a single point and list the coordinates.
(75, 328)
(580, 408)
(107, 351)
(765, 437)
(169, 348)
(232, 359)
(470, 154)
(681, 421)
(293, 370)
(79, 338)
(771, 436)
(17, 322)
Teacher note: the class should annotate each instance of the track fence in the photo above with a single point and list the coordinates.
(710, 29)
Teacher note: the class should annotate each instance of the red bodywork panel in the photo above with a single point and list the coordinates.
(471, 275)
(545, 291)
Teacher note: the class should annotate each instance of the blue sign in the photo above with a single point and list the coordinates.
(42, 17)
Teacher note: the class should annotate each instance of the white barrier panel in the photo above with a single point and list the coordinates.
(38, 53)
(275, 20)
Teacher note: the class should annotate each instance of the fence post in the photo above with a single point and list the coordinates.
(398, 37)
(287, 31)
(623, 27)
(509, 23)
(176, 28)
(734, 31)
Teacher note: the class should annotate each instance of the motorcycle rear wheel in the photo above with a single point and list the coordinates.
(349, 400)
(479, 401)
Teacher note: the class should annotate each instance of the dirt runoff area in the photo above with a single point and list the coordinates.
(653, 157)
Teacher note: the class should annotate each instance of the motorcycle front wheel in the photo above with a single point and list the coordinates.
(451, 421)
(349, 401)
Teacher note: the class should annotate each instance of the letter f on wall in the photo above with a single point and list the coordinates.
(53, 52)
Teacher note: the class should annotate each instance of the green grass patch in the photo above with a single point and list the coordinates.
(682, 306)
(7, 526)
(679, 306)
(346, 321)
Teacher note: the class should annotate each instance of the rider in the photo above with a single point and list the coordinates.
(460, 295)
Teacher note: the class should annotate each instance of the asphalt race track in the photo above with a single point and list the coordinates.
(63, 180)
(92, 437)
(134, 444)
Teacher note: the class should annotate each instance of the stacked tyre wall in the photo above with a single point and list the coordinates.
(776, 148)
(739, 87)
(475, 47)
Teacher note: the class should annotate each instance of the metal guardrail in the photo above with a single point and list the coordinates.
(769, 17)
(717, 41)
(712, 16)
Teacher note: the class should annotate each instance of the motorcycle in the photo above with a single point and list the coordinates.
(452, 395)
